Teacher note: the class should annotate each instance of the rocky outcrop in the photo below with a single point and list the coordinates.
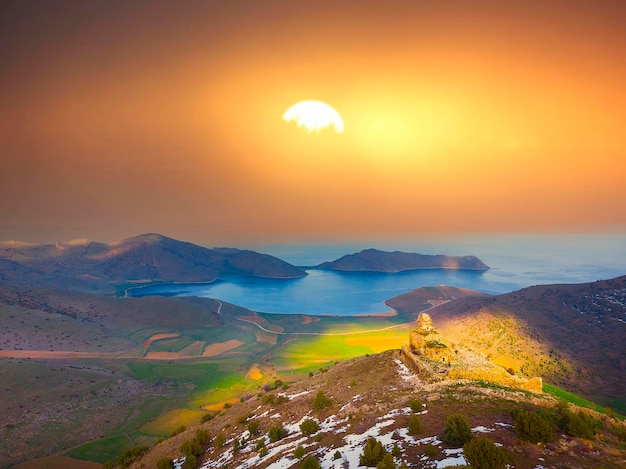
(433, 358)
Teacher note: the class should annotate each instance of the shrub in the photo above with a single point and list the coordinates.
(299, 452)
(457, 432)
(321, 401)
(165, 463)
(203, 437)
(191, 448)
(386, 462)
(414, 425)
(263, 451)
(310, 462)
(430, 451)
(260, 444)
(373, 453)
(277, 433)
(309, 426)
(532, 426)
(337, 455)
(236, 446)
(191, 462)
(219, 440)
(228, 405)
(207, 417)
(281, 400)
(580, 425)
(253, 427)
(416, 406)
(396, 451)
(482, 453)
(268, 399)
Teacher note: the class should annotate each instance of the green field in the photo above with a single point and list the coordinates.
(579, 401)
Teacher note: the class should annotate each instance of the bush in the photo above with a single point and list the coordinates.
(268, 399)
(416, 406)
(457, 432)
(207, 417)
(414, 425)
(482, 453)
(165, 463)
(191, 448)
(309, 426)
(386, 462)
(430, 451)
(203, 437)
(299, 452)
(581, 425)
(191, 462)
(373, 453)
(130, 455)
(396, 451)
(219, 440)
(321, 401)
(236, 446)
(253, 427)
(277, 433)
(533, 427)
(263, 452)
(337, 455)
(310, 462)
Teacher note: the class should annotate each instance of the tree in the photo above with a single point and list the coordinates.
(373, 453)
(396, 451)
(321, 401)
(191, 448)
(482, 453)
(219, 440)
(457, 432)
(532, 426)
(414, 425)
(203, 437)
(309, 426)
(416, 406)
(386, 462)
(299, 452)
(191, 462)
(253, 427)
(276, 433)
(310, 462)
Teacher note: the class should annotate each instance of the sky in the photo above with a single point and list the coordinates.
(127, 117)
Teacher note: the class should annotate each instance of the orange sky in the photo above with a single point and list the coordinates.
(119, 118)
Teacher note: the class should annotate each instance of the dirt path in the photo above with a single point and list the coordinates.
(56, 354)
(433, 304)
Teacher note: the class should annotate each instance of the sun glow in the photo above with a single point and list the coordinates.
(314, 116)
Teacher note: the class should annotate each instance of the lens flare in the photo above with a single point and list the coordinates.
(314, 116)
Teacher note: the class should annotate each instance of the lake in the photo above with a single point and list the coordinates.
(516, 261)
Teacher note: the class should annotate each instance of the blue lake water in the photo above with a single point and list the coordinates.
(515, 261)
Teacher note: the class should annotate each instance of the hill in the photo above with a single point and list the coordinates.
(358, 404)
(88, 265)
(373, 260)
(571, 335)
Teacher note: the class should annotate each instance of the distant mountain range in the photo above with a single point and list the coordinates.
(373, 260)
(84, 264)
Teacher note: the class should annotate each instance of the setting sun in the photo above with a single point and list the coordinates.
(314, 116)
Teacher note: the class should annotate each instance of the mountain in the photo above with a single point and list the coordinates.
(84, 264)
(373, 260)
(572, 335)
(377, 396)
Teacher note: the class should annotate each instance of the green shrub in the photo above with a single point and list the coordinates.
(482, 453)
(321, 401)
(165, 463)
(337, 455)
(299, 452)
(373, 453)
(207, 417)
(309, 426)
(396, 451)
(386, 462)
(416, 406)
(191, 448)
(310, 462)
(276, 433)
(236, 446)
(228, 405)
(219, 440)
(414, 425)
(533, 427)
(203, 437)
(130, 455)
(191, 462)
(268, 399)
(253, 427)
(319, 437)
(263, 451)
(260, 444)
(580, 425)
(457, 432)
(430, 451)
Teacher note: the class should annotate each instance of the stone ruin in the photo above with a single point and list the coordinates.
(433, 358)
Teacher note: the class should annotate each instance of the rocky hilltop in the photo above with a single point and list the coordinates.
(328, 421)
(85, 264)
(373, 260)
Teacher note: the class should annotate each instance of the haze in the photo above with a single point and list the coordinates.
(119, 118)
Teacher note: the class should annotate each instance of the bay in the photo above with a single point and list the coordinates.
(516, 261)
